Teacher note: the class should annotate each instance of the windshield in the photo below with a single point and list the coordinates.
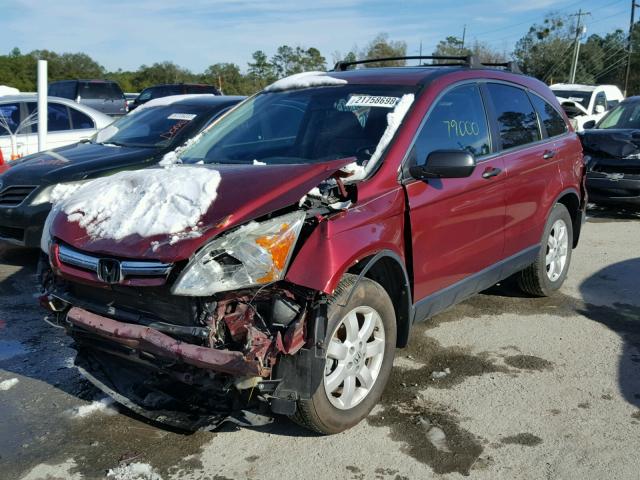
(582, 98)
(153, 127)
(301, 126)
(625, 115)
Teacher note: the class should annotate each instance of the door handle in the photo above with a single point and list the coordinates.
(491, 172)
(549, 154)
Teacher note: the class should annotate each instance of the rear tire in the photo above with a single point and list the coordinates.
(549, 271)
(360, 346)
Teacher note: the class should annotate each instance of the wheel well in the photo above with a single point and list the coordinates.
(571, 201)
(390, 274)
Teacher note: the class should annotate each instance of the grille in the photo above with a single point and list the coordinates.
(12, 233)
(626, 169)
(15, 195)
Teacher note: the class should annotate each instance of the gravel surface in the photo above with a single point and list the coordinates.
(501, 386)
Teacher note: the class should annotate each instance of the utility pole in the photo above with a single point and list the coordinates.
(576, 50)
(464, 34)
(629, 46)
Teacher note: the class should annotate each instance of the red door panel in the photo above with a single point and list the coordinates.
(531, 182)
(457, 227)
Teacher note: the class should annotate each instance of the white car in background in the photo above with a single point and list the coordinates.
(583, 103)
(68, 122)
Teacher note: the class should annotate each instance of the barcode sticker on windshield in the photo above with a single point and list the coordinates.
(372, 101)
(182, 116)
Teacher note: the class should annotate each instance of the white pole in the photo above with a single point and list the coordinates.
(42, 105)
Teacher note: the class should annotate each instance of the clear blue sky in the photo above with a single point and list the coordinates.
(197, 33)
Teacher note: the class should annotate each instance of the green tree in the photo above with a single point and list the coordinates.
(228, 77)
(381, 47)
(261, 72)
(545, 51)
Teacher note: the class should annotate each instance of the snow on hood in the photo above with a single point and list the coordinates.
(394, 119)
(140, 202)
(304, 80)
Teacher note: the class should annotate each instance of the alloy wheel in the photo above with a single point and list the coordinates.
(557, 250)
(354, 357)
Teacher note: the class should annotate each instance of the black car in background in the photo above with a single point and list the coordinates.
(103, 95)
(612, 152)
(137, 140)
(166, 90)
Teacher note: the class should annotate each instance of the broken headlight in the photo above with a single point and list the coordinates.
(255, 254)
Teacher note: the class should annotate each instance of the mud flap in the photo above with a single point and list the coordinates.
(301, 374)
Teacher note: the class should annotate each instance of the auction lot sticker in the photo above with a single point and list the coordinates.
(182, 116)
(372, 101)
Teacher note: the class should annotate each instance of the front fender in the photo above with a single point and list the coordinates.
(340, 241)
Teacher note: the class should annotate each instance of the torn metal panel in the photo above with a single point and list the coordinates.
(153, 341)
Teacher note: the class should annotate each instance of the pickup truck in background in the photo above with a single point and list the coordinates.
(583, 103)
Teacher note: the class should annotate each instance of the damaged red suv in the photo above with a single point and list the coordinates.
(279, 263)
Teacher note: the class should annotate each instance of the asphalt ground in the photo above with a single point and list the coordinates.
(500, 386)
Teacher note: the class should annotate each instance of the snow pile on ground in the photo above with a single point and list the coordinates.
(394, 119)
(7, 384)
(304, 80)
(133, 471)
(142, 202)
(98, 406)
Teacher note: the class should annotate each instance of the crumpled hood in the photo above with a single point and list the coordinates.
(565, 102)
(74, 162)
(244, 193)
(611, 142)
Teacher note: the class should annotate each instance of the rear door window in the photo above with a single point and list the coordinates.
(63, 90)
(9, 118)
(58, 119)
(457, 122)
(549, 117)
(516, 119)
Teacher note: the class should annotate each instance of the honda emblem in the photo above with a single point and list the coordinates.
(109, 270)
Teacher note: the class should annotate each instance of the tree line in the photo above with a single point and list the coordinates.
(544, 52)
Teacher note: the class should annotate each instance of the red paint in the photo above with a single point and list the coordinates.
(153, 341)
(245, 192)
(457, 227)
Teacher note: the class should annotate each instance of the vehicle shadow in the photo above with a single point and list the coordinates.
(620, 317)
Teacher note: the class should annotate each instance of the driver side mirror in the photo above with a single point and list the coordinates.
(445, 164)
(589, 124)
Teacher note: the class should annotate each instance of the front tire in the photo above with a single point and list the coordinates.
(360, 346)
(549, 271)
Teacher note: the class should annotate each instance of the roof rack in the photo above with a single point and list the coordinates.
(466, 60)
(508, 66)
(462, 60)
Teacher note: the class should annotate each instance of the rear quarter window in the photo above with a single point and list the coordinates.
(549, 117)
(79, 120)
(516, 119)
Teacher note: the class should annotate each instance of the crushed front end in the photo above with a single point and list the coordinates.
(185, 343)
(613, 170)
